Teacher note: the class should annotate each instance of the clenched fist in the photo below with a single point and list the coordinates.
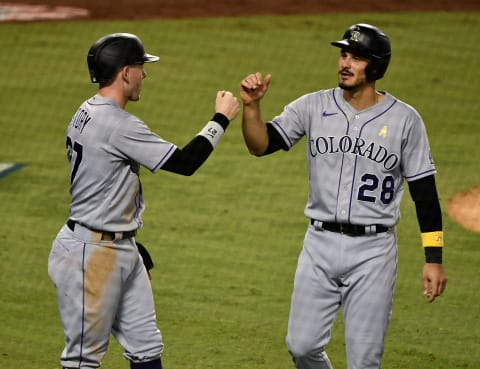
(227, 104)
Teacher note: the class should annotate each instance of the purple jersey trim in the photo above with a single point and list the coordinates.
(165, 158)
(339, 108)
(343, 155)
(82, 335)
(282, 133)
(94, 103)
(421, 175)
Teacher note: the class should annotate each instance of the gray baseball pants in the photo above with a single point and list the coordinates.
(334, 271)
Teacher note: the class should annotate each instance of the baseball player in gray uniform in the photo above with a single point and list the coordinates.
(103, 287)
(361, 144)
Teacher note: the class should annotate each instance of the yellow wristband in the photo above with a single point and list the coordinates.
(432, 239)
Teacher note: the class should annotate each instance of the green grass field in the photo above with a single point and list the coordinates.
(226, 240)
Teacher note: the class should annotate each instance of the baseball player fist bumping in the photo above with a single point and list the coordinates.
(99, 270)
(227, 104)
(253, 87)
(362, 145)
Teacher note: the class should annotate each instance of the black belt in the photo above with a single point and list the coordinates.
(107, 236)
(351, 229)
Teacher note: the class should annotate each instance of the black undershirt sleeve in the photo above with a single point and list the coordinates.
(424, 194)
(187, 160)
(275, 141)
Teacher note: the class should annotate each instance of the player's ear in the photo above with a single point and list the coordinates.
(124, 72)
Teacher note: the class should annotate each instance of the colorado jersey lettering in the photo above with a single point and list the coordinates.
(345, 143)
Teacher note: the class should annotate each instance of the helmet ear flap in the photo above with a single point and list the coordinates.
(376, 68)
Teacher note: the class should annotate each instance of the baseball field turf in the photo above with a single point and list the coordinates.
(225, 241)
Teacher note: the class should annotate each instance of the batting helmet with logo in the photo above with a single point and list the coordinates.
(368, 41)
(111, 52)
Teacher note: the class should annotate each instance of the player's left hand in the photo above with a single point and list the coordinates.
(434, 280)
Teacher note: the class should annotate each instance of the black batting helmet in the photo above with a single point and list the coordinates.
(111, 52)
(369, 41)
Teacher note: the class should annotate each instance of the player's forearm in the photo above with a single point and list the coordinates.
(429, 215)
(254, 129)
(187, 160)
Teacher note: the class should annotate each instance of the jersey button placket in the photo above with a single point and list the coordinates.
(355, 123)
(345, 196)
(345, 186)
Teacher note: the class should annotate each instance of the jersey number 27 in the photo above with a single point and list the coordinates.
(74, 152)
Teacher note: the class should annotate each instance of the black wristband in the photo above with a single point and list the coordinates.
(433, 255)
(222, 120)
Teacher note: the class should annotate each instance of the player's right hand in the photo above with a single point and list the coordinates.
(253, 87)
(227, 104)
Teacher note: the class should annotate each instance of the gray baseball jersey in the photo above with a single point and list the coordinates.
(102, 284)
(106, 193)
(357, 161)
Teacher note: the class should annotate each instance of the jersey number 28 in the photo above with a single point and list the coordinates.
(369, 190)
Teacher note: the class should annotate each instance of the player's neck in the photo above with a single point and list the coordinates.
(115, 95)
(362, 98)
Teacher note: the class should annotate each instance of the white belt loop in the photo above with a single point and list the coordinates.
(370, 229)
(318, 225)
